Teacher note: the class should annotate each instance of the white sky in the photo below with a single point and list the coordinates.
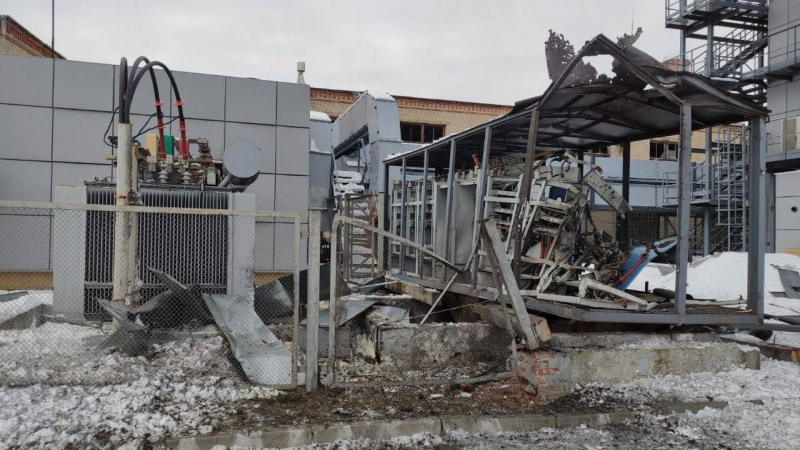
(470, 50)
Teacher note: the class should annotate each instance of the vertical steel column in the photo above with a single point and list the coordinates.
(312, 302)
(479, 195)
(403, 210)
(757, 216)
(422, 214)
(383, 216)
(451, 178)
(623, 224)
(684, 206)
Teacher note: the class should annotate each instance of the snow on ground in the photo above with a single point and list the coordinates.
(774, 424)
(25, 303)
(723, 276)
(69, 393)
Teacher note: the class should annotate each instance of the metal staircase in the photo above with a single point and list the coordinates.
(722, 184)
(730, 187)
(737, 53)
(360, 263)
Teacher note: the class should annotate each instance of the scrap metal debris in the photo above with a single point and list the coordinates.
(263, 357)
(561, 260)
(559, 54)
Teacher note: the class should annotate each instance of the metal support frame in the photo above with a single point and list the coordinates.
(623, 223)
(403, 211)
(757, 216)
(421, 216)
(451, 179)
(384, 218)
(312, 302)
(515, 230)
(684, 207)
(481, 192)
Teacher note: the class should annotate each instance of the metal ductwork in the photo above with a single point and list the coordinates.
(241, 162)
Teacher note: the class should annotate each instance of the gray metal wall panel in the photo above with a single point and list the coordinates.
(250, 101)
(777, 94)
(794, 12)
(265, 245)
(26, 80)
(25, 180)
(264, 190)
(787, 239)
(143, 98)
(25, 240)
(66, 174)
(80, 85)
(319, 178)
(213, 130)
(291, 194)
(793, 97)
(778, 15)
(786, 184)
(774, 137)
(778, 43)
(25, 132)
(785, 217)
(320, 133)
(292, 151)
(263, 136)
(294, 103)
(204, 95)
(78, 136)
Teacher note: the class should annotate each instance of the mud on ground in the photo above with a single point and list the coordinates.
(331, 406)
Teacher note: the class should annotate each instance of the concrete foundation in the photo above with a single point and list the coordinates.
(581, 359)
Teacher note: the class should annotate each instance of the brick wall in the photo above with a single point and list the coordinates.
(455, 116)
(16, 40)
(641, 149)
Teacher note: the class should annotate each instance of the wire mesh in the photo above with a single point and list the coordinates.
(380, 338)
(216, 290)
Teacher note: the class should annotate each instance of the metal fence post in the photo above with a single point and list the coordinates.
(332, 303)
(312, 302)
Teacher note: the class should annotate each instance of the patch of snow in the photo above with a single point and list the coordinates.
(378, 95)
(723, 276)
(24, 304)
(319, 116)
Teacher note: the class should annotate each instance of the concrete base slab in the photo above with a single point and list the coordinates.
(556, 372)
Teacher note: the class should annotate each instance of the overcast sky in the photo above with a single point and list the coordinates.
(471, 50)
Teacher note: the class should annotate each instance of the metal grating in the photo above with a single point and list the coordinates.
(197, 253)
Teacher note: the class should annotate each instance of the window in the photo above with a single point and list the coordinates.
(602, 151)
(663, 150)
(421, 133)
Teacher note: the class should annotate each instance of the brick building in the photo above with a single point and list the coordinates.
(421, 119)
(16, 40)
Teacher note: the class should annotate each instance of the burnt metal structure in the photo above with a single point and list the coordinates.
(581, 111)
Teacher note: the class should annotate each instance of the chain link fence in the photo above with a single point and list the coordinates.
(389, 334)
(210, 291)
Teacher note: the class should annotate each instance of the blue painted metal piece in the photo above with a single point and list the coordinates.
(640, 256)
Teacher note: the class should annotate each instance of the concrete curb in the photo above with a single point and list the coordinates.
(437, 426)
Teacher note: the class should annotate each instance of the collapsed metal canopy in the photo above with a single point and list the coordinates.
(642, 102)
